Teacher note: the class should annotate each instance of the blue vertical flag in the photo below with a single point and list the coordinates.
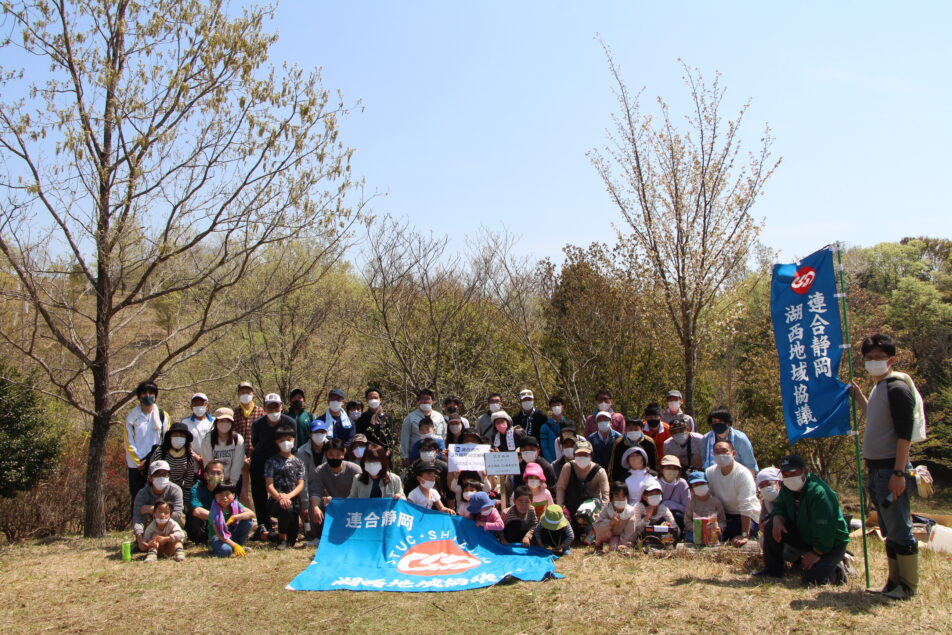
(806, 320)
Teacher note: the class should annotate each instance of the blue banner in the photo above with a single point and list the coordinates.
(382, 544)
(806, 320)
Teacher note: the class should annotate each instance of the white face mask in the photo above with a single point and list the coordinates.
(533, 482)
(654, 499)
(527, 405)
(334, 405)
(246, 398)
(723, 460)
(454, 429)
(529, 456)
(670, 475)
(160, 482)
(486, 512)
(603, 425)
(619, 505)
(286, 446)
(178, 442)
(428, 484)
(161, 522)
(467, 495)
(274, 416)
(426, 407)
(583, 461)
(318, 437)
(769, 493)
(224, 427)
(680, 438)
(199, 411)
(568, 453)
(794, 483)
(373, 468)
(359, 451)
(701, 490)
(674, 406)
(557, 411)
(634, 435)
(877, 367)
(427, 456)
(603, 406)
(373, 403)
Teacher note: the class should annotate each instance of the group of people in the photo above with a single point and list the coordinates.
(267, 472)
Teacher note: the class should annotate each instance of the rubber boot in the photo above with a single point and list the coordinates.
(893, 580)
(908, 572)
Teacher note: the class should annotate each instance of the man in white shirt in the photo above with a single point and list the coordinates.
(199, 422)
(145, 427)
(733, 485)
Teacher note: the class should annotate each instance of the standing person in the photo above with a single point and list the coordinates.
(685, 445)
(453, 406)
(199, 422)
(603, 439)
(806, 518)
(409, 433)
(484, 424)
(284, 480)
(893, 417)
(634, 437)
(297, 410)
(145, 426)
(734, 485)
(332, 479)
(265, 445)
(376, 480)
(580, 480)
(225, 445)
(604, 403)
(567, 440)
(658, 430)
(354, 410)
(528, 418)
(246, 414)
(722, 429)
(176, 450)
(375, 424)
(673, 400)
(338, 424)
(549, 434)
(311, 455)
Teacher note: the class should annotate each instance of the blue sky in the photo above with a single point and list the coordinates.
(481, 114)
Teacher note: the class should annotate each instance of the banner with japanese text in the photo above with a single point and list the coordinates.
(382, 544)
(806, 318)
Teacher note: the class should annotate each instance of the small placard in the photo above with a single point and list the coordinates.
(501, 463)
(466, 457)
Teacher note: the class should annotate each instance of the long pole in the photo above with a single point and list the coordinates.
(855, 433)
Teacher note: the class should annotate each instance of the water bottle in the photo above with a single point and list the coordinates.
(126, 551)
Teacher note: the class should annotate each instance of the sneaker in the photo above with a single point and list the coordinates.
(313, 543)
(179, 555)
(260, 533)
(282, 545)
(151, 556)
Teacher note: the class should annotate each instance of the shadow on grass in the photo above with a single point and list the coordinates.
(854, 602)
(737, 583)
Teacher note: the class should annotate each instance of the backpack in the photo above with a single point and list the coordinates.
(918, 411)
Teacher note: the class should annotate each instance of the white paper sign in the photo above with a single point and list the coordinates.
(501, 463)
(463, 457)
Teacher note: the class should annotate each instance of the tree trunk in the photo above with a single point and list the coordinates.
(690, 359)
(94, 523)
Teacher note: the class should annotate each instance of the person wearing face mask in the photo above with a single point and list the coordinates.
(634, 438)
(535, 479)
(529, 418)
(722, 429)
(650, 510)
(284, 480)
(504, 438)
(454, 429)
(768, 481)
(567, 440)
(410, 432)
(332, 479)
(453, 406)
(672, 410)
(895, 418)
(482, 511)
(200, 499)
(684, 444)
(549, 433)
(225, 445)
(603, 439)
(176, 450)
(529, 454)
(311, 455)
(426, 431)
(425, 494)
(580, 480)
(357, 448)
(265, 446)
(604, 403)
(484, 424)
(298, 411)
(158, 488)
(246, 414)
(375, 425)
(339, 425)
(674, 489)
(199, 422)
(734, 485)
(145, 426)
(429, 456)
(376, 480)
(656, 429)
(354, 411)
(703, 504)
(806, 519)
(163, 535)
(635, 459)
(616, 522)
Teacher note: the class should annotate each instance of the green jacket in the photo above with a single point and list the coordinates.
(303, 432)
(815, 510)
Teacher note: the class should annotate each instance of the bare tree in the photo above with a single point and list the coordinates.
(157, 160)
(686, 198)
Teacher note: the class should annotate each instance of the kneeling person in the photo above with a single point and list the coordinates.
(229, 523)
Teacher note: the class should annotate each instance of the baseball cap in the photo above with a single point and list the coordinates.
(245, 384)
(272, 397)
(526, 394)
(673, 393)
(159, 465)
(336, 392)
(792, 462)
(318, 424)
(225, 413)
(199, 395)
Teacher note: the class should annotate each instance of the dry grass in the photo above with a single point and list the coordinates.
(77, 585)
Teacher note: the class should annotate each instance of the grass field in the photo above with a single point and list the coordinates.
(76, 585)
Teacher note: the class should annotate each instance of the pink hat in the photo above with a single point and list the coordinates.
(534, 469)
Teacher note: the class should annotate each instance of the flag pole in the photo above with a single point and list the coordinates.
(855, 427)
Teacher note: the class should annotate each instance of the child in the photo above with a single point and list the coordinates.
(675, 492)
(229, 523)
(483, 512)
(284, 480)
(702, 504)
(428, 451)
(468, 488)
(427, 432)
(534, 478)
(651, 511)
(636, 460)
(521, 519)
(425, 494)
(554, 532)
(163, 535)
(616, 522)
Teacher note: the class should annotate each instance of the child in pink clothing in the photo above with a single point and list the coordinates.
(534, 477)
(483, 512)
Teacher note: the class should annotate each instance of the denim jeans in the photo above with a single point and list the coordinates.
(239, 534)
(894, 520)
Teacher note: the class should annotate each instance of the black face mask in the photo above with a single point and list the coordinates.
(719, 428)
(297, 405)
(452, 410)
(335, 462)
(654, 423)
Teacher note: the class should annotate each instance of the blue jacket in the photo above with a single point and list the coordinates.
(602, 449)
(415, 450)
(343, 429)
(745, 451)
(548, 435)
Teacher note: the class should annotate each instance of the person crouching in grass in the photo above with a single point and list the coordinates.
(163, 535)
(229, 523)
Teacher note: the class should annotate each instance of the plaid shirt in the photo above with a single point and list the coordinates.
(243, 424)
